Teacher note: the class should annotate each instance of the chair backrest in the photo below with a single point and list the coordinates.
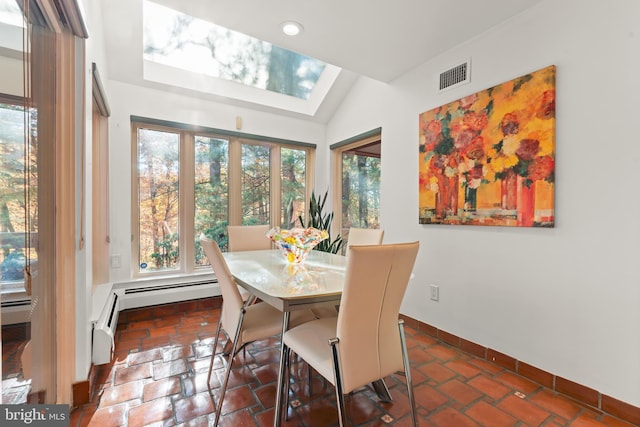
(248, 237)
(231, 299)
(376, 280)
(364, 236)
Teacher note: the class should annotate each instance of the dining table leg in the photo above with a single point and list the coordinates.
(283, 387)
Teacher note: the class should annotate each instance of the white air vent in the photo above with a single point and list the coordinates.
(456, 76)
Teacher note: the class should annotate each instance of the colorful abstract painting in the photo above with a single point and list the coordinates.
(489, 158)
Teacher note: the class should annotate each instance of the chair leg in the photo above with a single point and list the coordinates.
(284, 357)
(407, 372)
(227, 374)
(282, 392)
(213, 352)
(342, 416)
(381, 389)
(287, 384)
(226, 350)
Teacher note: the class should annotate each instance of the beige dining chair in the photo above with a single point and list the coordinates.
(364, 236)
(356, 237)
(366, 341)
(241, 323)
(248, 237)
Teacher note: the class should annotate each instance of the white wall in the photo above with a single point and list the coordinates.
(566, 299)
(127, 100)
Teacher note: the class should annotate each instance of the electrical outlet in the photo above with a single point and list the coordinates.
(116, 261)
(435, 292)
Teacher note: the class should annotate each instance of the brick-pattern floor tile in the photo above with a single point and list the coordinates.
(560, 405)
(490, 387)
(451, 417)
(121, 393)
(523, 410)
(488, 415)
(165, 387)
(159, 378)
(150, 412)
(132, 373)
(461, 392)
(194, 406)
(437, 372)
(169, 369)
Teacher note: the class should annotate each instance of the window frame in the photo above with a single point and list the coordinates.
(100, 113)
(186, 210)
(337, 150)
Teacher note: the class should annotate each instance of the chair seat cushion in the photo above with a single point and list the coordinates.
(311, 342)
(262, 320)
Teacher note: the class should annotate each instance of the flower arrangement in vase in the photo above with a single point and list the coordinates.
(296, 243)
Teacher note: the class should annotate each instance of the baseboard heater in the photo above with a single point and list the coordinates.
(16, 311)
(104, 328)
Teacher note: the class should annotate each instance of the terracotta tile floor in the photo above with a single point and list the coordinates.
(15, 388)
(158, 378)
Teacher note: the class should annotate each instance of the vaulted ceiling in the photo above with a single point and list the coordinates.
(379, 39)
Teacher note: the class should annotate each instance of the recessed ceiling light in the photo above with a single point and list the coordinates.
(291, 28)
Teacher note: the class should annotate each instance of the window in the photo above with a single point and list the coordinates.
(159, 196)
(255, 184)
(192, 181)
(357, 162)
(211, 191)
(18, 209)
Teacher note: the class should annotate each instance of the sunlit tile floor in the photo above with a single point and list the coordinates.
(15, 388)
(158, 378)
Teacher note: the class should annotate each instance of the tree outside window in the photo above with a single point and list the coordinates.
(191, 183)
(360, 189)
(18, 201)
(159, 195)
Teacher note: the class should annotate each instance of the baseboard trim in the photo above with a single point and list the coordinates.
(584, 395)
(80, 393)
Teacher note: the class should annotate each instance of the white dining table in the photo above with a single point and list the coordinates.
(288, 287)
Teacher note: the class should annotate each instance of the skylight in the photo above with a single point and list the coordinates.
(178, 40)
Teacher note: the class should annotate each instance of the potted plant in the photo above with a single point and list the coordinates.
(321, 220)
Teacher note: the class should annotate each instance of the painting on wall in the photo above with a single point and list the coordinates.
(489, 158)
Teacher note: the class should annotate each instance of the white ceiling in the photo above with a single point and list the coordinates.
(381, 39)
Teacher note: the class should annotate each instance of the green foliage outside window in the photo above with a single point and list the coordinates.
(360, 191)
(162, 190)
